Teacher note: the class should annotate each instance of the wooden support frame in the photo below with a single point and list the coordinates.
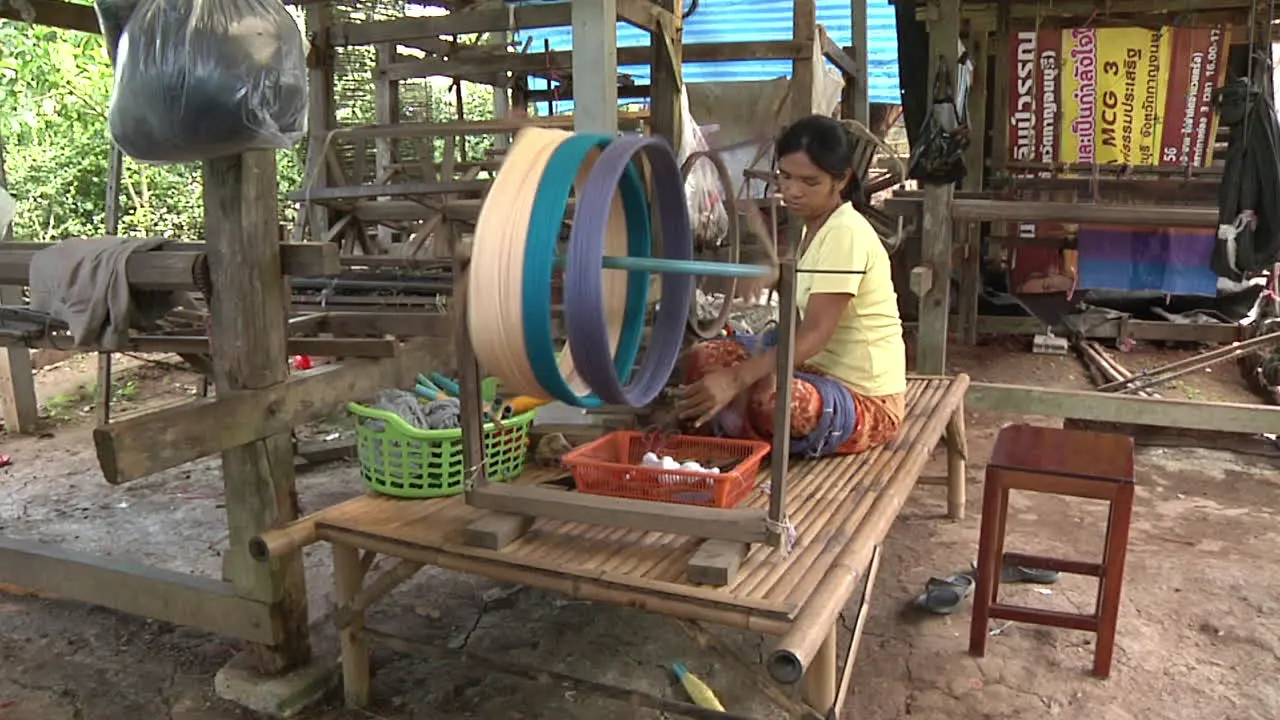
(859, 105)
(17, 383)
(145, 444)
(137, 589)
(970, 234)
(1127, 409)
(595, 65)
(248, 314)
(666, 74)
(17, 379)
(562, 60)
(173, 266)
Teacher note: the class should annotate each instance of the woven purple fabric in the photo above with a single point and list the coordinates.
(585, 321)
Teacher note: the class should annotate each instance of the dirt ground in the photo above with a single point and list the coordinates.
(1198, 636)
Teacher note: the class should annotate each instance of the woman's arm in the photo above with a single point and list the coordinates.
(703, 399)
(821, 316)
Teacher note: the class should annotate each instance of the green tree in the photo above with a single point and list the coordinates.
(55, 89)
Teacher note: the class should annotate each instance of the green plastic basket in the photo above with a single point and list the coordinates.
(400, 460)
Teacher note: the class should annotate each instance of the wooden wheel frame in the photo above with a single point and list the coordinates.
(704, 330)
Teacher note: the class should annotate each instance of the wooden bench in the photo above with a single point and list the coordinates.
(842, 508)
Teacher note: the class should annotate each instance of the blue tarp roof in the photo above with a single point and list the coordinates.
(761, 20)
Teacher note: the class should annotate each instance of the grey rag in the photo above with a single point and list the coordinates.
(84, 282)
(440, 414)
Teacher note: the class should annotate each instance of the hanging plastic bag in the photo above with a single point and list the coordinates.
(198, 79)
(938, 158)
(702, 189)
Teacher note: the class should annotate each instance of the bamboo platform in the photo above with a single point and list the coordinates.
(841, 507)
(828, 499)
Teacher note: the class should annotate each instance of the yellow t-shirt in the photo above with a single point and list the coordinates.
(866, 352)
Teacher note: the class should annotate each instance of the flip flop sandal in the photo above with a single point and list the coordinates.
(942, 596)
(1018, 574)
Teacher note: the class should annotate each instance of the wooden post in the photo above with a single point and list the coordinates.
(860, 92)
(320, 109)
(975, 162)
(595, 66)
(17, 383)
(348, 580)
(115, 164)
(820, 681)
(931, 340)
(501, 95)
(386, 101)
(249, 310)
(786, 357)
(957, 464)
(666, 75)
(804, 30)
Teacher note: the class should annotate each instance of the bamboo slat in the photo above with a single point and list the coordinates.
(828, 500)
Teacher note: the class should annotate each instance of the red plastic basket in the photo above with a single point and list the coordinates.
(611, 466)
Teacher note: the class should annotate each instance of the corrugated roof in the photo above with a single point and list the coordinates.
(763, 20)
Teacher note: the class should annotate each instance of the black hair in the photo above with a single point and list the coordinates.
(829, 144)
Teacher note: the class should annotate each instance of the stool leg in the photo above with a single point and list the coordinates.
(1001, 530)
(993, 509)
(1112, 579)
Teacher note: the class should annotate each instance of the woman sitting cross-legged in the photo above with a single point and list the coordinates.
(848, 395)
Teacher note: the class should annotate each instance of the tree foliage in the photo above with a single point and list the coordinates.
(55, 90)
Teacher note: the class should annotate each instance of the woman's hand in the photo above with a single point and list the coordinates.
(708, 396)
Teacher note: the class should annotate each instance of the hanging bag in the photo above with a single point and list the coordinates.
(938, 159)
(198, 79)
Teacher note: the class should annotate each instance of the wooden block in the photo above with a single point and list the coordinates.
(921, 280)
(496, 530)
(716, 562)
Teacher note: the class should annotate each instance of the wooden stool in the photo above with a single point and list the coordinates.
(1061, 462)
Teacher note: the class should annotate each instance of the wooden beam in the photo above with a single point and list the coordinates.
(321, 113)
(936, 226)
(1148, 330)
(399, 324)
(357, 192)
(739, 525)
(979, 46)
(1081, 9)
(804, 28)
(858, 94)
(316, 347)
(137, 589)
(666, 49)
(595, 60)
(249, 315)
(838, 57)
(172, 267)
(17, 381)
(469, 127)
(386, 100)
(562, 61)
(51, 13)
(646, 14)
(1109, 407)
(524, 17)
(1083, 213)
(148, 443)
